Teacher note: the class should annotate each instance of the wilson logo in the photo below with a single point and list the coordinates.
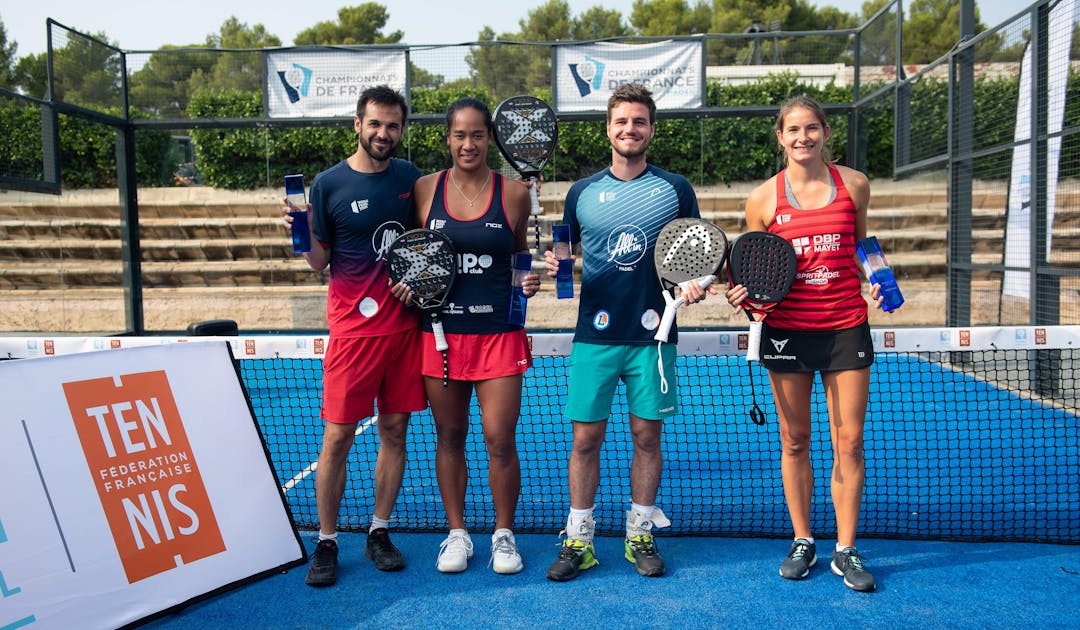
(144, 471)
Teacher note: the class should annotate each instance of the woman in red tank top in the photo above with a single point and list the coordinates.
(821, 209)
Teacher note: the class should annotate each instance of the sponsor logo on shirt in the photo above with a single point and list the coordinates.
(626, 245)
(384, 236)
(816, 243)
(495, 226)
(481, 308)
(783, 218)
(453, 309)
(473, 264)
(601, 320)
(359, 205)
(818, 276)
(436, 224)
(607, 196)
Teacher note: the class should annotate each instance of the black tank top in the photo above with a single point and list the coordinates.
(480, 298)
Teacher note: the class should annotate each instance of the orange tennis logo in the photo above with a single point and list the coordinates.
(144, 471)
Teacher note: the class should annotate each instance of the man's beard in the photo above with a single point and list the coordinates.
(374, 153)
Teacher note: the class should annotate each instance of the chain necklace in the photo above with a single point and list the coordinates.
(463, 195)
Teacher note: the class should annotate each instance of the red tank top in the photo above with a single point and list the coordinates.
(827, 293)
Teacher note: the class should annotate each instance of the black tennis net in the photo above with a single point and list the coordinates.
(971, 434)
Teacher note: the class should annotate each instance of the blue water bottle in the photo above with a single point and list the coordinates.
(562, 248)
(522, 267)
(877, 271)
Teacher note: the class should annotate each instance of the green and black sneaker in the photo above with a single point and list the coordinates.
(574, 557)
(642, 551)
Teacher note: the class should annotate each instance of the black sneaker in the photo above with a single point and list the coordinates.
(323, 569)
(574, 557)
(642, 551)
(848, 564)
(382, 552)
(800, 558)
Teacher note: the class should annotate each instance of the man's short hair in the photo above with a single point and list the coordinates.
(382, 95)
(632, 93)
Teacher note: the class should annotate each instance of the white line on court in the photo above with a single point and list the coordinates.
(303, 474)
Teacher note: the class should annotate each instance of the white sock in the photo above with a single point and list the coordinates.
(378, 523)
(840, 547)
(577, 517)
(644, 510)
(323, 536)
(809, 539)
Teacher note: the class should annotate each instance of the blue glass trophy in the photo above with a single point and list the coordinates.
(522, 267)
(562, 248)
(877, 271)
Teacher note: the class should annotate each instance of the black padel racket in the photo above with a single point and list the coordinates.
(687, 250)
(765, 264)
(425, 261)
(526, 132)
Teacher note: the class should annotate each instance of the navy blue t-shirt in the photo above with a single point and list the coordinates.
(617, 223)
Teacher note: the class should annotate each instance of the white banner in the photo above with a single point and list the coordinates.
(1018, 224)
(587, 74)
(134, 481)
(327, 83)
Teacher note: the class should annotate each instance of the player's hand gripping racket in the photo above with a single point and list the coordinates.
(526, 132)
(687, 250)
(765, 264)
(425, 261)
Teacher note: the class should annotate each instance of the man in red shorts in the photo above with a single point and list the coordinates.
(357, 208)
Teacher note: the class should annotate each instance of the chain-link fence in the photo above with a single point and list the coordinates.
(939, 141)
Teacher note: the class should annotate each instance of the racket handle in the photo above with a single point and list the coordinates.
(673, 305)
(440, 336)
(534, 198)
(667, 319)
(753, 344)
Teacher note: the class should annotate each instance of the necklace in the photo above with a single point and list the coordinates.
(463, 195)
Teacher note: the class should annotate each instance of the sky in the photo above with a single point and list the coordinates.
(149, 24)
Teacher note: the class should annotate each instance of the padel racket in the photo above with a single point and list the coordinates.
(765, 264)
(686, 251)
(425, 261)
(526, 132)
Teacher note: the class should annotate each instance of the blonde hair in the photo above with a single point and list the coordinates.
(805, 102)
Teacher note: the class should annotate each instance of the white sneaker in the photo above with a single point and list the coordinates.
(454, 552)
(504, 553)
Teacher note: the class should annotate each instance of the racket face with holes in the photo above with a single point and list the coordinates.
(526, 132)
(425, 261)
(765, 264)
(689, 249)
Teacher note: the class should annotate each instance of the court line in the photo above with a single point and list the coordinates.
(303, 474)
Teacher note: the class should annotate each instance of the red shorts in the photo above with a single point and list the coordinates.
(360, 372)
(478, 357)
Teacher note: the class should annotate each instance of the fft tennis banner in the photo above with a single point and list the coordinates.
(135, 480)
(327, 83)
(1018, 223)
(587, 74)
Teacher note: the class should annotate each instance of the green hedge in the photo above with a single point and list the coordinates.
(87, 150)
(707, 151)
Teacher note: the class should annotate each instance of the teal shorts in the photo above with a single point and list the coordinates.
(595, 372)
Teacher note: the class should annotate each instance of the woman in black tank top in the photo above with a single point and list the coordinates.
(485, 215)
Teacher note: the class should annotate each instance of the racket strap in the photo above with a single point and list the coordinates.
(757, 416)
(660, 367)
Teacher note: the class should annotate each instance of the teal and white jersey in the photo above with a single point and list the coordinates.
(617, 222)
